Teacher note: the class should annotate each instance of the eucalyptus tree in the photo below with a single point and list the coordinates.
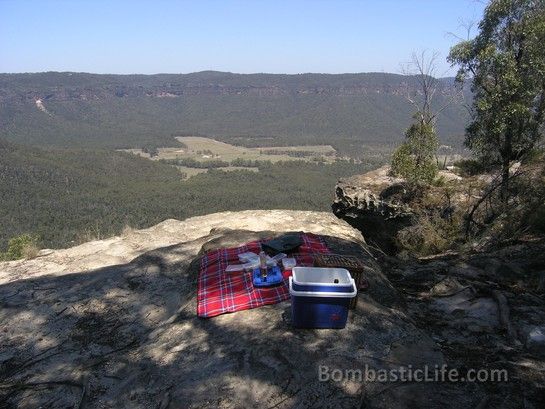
(505, 63)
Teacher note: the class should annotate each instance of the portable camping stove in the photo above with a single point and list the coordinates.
(273, 276)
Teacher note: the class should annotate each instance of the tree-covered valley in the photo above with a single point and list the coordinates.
(67, 196)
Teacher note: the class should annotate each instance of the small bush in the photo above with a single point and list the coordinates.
(415, 159)
(90, 233)
(405, 164)
(438, 216)
(430, 235)
(127, 230)
(471, 167)
(23, 246)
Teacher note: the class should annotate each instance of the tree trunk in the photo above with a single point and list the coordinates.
(506, 154)
(504, 192)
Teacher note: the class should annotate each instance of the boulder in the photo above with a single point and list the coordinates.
(535, 339)
(375, 204)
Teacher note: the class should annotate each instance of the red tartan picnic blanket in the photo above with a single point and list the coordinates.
(220, 292)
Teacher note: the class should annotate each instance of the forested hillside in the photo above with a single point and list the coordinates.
(125, 111)
(66, 196)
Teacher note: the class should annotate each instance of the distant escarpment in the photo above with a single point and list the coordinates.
(83, 86)
(124, 111)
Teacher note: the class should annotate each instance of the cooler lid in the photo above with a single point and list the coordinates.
(321, 276)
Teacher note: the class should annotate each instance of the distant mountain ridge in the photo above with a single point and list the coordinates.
(101, 110)
(66, 85)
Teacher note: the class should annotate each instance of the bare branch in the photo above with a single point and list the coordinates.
(423, 69)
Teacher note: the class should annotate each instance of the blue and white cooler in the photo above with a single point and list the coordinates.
(320, 297)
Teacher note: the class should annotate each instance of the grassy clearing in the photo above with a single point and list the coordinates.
(324, 149)
(190, 172)
(202, 149)
(233, 168)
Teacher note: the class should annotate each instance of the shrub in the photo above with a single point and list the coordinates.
(23, 246)
(127, 230)
(471, 167)
(415, 159)
(438, 225)
(406, 165)
(430, 235)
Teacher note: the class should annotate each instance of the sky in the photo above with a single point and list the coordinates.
(275, 36)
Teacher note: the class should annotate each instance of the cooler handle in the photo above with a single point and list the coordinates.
(323, 294)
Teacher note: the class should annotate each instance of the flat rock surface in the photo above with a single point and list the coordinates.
(113, 323)
(195, 230)
(485, 311)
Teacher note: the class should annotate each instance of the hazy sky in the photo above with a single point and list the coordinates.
(121, 36)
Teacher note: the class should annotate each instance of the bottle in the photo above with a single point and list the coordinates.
(263, 265)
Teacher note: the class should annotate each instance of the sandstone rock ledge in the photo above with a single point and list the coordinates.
(374, 203)
(380, 205)
(112, 323)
